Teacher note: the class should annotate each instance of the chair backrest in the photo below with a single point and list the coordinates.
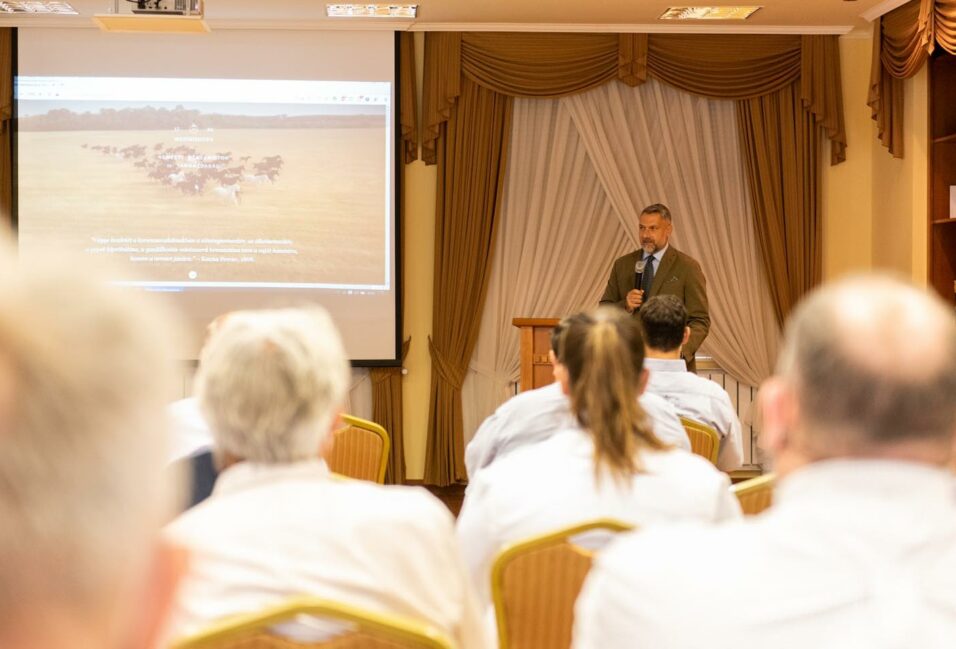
(360, 451)
(355, 628)
(756, 494)
(704, 440)
(534, 584)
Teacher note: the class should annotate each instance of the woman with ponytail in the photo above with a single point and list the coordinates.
(608, 465)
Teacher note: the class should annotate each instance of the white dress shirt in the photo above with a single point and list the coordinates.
(853, 555)
(700, 399)
(271, 532)
(189, 432)
(552, 484)
(534, 415)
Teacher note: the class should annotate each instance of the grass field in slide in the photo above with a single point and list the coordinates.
(328, 197)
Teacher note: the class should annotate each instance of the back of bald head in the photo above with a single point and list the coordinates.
(873, 361)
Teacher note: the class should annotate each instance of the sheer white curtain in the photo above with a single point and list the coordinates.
(553, 251)
(580, 171)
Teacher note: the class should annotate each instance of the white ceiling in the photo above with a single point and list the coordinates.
(794, 16)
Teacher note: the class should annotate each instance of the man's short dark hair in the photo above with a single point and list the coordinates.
(664, 318)
(658, 208)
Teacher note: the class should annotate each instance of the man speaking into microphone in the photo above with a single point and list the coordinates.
(658, 268)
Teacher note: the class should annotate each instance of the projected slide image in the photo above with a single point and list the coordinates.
(242, 184)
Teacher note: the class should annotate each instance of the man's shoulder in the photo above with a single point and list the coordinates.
(544, 395)
(519, 461)
(682, 258)
(390, 501)
(678, 567)
(530, 403)
(628, 259)
(336, 498)
(670, 553)
(698, 384)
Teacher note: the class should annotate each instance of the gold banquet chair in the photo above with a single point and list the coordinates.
(534, 584)
(756, 494)
(360, 451)
(356, 629)
(704, 440)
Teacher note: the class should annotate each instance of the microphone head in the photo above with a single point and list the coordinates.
(639, 265)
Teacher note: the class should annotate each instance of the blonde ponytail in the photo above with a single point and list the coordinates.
(604, 355)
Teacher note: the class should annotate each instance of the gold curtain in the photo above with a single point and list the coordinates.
(779, 145)
(408, 111)
(441, 86)
(725, 66)
(944, 17)
(472, 157)
(469, 80)
(903, 40)
(387, 412)
(6, 124)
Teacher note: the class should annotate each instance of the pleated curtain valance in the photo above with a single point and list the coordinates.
(408, 109)
(555, 65)
(902, 42)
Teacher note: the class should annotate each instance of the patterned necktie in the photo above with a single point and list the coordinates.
(648, 280)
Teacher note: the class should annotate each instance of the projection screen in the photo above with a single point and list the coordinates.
(231, 170)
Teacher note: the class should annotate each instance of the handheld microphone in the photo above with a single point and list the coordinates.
(639, 273)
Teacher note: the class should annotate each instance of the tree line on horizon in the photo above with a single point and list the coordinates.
(149, 118)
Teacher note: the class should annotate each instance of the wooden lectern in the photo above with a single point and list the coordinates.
(535, 345)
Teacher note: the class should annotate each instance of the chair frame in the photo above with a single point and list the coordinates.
(398, 628)
(703, 428)
(747, 487)
(517, 549)
(371, 426)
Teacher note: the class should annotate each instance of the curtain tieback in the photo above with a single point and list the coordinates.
(448, 373)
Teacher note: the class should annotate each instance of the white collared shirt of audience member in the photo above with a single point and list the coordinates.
(700, 399)
(534, 415)
(271, 532)
(552, 484)
(854, 554)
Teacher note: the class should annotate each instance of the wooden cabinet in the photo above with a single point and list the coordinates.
(942, 175)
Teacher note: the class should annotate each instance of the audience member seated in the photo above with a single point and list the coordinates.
(202, 473)
(859, 548)
(606, 463)
(278, 524)
(535, 415)
(664, 318)
(188, 430)
(83, 378)
(192, 441)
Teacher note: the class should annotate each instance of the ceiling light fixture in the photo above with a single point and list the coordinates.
(37, 7)
(371, 11)
(709, 13)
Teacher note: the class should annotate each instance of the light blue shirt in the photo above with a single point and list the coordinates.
(699, 399)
